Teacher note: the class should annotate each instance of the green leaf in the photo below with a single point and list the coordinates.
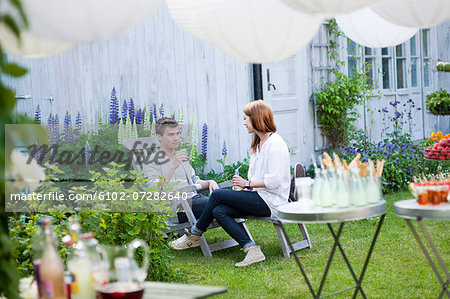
(19, 7)
(11, 24)
(14, 70)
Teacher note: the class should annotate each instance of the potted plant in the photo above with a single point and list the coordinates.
(438, 102)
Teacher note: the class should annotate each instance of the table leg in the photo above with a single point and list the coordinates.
(369, 254)
(298, 262)
(333, 250)
(427, 255)
(366, 262)
(337, 244)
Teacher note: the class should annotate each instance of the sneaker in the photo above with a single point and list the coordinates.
(254, 255)
(188, 240)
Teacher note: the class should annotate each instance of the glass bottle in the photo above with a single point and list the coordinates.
(79, 265)
(51, 269)
(315, 193)
(37, 245)
(236, 188)
(358, 196)
(373, 192)
(342, 192)
(326, 194)
(333, 183)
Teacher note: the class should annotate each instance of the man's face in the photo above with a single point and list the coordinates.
(170, 138)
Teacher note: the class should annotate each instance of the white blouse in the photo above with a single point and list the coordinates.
(271, 163)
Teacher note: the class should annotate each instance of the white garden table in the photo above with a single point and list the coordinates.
(411, 210)
(305, 212)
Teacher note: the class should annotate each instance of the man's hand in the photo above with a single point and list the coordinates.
(180, 156)
(212, 186)
(238, 181)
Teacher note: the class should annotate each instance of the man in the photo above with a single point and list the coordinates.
(177, 168)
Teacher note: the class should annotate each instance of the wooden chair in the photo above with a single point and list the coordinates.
(138, 148)
(305, 242)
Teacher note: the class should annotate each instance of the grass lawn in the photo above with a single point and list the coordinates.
(398, 268)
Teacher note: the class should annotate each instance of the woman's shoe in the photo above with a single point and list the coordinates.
(254, 255)
(188, 240)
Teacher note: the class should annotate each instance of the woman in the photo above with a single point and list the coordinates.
(267, 187)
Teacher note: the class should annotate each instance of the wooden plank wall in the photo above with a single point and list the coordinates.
(154, 63)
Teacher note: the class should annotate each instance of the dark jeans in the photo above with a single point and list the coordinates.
(198, 205)
(224, 205)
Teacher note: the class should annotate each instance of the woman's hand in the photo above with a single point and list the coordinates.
(238, 181)
(212, 186)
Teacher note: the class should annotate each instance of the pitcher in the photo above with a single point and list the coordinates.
(121, 277)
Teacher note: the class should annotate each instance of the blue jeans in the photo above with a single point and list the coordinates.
(199, 203)
(224, 205)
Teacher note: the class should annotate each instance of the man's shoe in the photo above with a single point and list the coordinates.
(188, 240)
(254, 255)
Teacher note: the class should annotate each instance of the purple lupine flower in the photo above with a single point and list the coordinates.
(155, 112)
(113, 108)
(138, 117)
(77, 130)
(161, 110)
(204, 141)
(392, 184)
(55, 129)
(224, 150)
(364, 159)
(422, 152)
(87, 153)
(150, 119)
(131, 111)
(124, 112)
(409, 170)
(68, 136)
(37, 114)
(50, 128)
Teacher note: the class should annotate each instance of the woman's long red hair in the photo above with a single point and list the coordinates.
(261, 118)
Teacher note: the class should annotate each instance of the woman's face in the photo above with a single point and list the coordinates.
(248, 124)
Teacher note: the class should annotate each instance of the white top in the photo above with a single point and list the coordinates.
(272, 164)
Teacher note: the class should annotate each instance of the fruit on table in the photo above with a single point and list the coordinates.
(439, 151)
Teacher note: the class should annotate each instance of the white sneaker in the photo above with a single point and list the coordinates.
(188, 240)
(254, 255)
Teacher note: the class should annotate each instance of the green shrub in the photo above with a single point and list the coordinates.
(335, 105)
(438, 102)
(108, 227)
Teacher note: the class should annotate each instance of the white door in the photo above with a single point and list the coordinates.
(285, 89)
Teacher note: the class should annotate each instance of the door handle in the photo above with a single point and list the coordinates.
(269, 85)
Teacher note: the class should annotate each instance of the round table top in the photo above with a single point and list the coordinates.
(306, 212)
(412, 210)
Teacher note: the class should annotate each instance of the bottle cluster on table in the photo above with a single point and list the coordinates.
(339, 185)
(51, 278)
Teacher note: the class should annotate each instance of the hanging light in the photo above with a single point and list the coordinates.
(368, 29)
(413, 13)
(251, 30)
(86, 20)
(29, 46)
(328, 7)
